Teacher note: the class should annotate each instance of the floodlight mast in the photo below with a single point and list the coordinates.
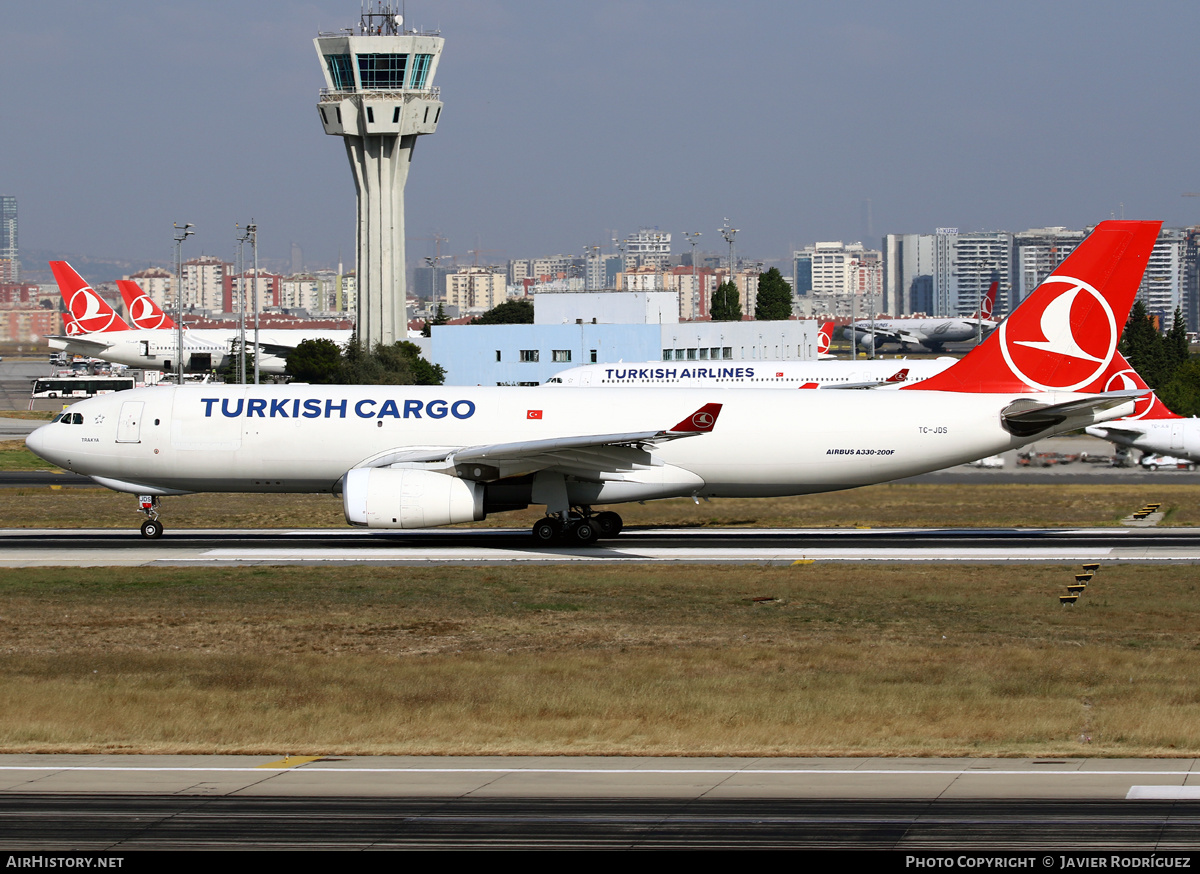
(182, 232)
(379, 97)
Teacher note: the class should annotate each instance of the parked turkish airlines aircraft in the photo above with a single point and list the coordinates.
(1152, 427)
(930, 333)
(753, 374)
(412, 456)
(142, 310)
(104, 334)
(87, 312)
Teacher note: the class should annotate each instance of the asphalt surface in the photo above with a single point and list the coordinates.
(116, 804)
(223, 547)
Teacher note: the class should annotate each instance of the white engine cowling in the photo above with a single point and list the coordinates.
(376, 497)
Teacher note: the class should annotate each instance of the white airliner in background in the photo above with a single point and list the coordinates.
(753, 374)
(412, 457)
(933, 334)
(97, 331)
(1152, 428)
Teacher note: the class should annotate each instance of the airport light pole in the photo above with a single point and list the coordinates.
(728, 233)
(182, 232)
(694, 238)
(241, 364)
(252, 233)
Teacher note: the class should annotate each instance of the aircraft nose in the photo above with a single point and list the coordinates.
(36, 442)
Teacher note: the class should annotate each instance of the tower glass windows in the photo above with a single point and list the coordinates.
(382, 72)
(420, 71)
(341, 72)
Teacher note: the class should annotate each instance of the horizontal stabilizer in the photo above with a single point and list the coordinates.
(1025, 417)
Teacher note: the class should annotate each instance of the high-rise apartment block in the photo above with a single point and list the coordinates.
(10, 262)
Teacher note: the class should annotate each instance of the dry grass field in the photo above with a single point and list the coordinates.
(882, 506)
(833, 660)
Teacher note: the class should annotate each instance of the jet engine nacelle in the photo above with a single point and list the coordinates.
(375, 497)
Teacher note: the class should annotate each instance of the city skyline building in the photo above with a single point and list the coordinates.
(10, 256)
(379, 97)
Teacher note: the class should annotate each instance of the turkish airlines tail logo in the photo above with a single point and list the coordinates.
(824, 336)
(988, 305)
(704, 419)
(143, 312)
(1148, 406)
(1064, 336)
(90, 313)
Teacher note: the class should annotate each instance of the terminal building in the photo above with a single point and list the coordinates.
(572, 328)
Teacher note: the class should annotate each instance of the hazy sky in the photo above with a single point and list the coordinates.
(565, 121)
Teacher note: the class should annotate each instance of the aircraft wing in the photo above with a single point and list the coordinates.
(81, 343)
(1026, 417)
(594, 456)
(897, 377)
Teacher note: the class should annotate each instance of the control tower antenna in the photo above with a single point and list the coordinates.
(379, 97)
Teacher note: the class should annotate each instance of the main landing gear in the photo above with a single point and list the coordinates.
(152, 529)
(580, 527)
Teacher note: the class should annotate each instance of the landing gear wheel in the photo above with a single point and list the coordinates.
(545, 531)
(585, 532)
(608, 523)
(152, 529)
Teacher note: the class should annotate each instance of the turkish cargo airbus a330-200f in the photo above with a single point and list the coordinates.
(413, 457)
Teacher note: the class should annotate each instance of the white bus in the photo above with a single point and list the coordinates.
(79, 386)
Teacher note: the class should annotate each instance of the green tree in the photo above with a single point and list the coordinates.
(1182, 393)
(316, 361)
(1142, 346)
(511, 312)
(774, 300)
(726, 304)
(230, 372)
(1175, 346)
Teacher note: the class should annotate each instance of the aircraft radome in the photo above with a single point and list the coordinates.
(411, 457)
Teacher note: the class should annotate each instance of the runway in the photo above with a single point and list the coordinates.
(217, 548)
(120, 803)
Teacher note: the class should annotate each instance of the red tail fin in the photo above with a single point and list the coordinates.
(1125, 377)
(90, 312)
(143, 312)
(824, 338)
(988, 305)
(1064, 336)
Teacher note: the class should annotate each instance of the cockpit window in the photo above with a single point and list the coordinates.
(58, 418)
(77, 418)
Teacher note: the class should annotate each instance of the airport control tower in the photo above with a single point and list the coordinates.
(379, 97)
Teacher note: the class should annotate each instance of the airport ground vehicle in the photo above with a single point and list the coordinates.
(79, 386)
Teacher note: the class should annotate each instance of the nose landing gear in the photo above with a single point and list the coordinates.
(152, 529)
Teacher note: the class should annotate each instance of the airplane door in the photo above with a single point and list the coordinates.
(145, 348)
(129, 426)
(1176, 435)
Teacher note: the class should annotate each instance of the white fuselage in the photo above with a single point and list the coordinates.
(1174, 437)
(928, 332)
(297, 438)
(157, 349)
(746, 374)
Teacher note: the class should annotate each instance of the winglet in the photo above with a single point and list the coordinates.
(1064, 336)
(90, 312)
(143, 311)
(701, 421)
(899, 376)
